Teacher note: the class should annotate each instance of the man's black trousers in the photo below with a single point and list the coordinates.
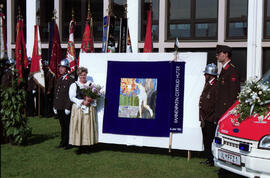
(64, 121)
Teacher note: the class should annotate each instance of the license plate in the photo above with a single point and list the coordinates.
(229, 157)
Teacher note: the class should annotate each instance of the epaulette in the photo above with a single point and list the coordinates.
(232, 65)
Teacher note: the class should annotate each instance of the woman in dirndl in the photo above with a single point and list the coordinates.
(83, 124)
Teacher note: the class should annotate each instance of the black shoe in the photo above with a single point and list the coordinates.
(211, 164)
(207, 162)
(60, 146)
(204, 162)
(68, 147)
(79, 151)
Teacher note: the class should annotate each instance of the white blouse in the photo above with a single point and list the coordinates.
(78, 102)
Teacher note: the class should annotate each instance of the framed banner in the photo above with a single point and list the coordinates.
(190, 137)
(143, 98)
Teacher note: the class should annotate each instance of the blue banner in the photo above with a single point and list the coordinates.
(141, 98)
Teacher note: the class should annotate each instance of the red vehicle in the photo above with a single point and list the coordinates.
(243, 148)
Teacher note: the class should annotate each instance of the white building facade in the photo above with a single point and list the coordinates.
(199, 24)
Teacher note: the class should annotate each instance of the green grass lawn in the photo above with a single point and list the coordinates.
(41, 158)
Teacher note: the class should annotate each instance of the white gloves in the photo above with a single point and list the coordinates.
(55, 111)
(34, 91)
(67, 112)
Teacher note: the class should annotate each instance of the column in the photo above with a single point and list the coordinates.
(254, 43)
(58, 8)
(10, 26)
(134, 25)
(162, 24)
(30, 23)
(221, 21)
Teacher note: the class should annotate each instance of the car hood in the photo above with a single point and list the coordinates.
(251, 128)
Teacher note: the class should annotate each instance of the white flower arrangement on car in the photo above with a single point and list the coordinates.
(254, 100)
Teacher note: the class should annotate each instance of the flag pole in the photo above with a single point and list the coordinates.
(90, 19)
(74, 23)
(171, 134)
(108, 25)
(38, 22)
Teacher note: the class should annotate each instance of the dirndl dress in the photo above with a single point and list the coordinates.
(83, 125)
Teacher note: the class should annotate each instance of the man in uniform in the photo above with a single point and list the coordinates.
(207, 111)
(62, 104)
(31, 92)
(228, 85)
(49, 88)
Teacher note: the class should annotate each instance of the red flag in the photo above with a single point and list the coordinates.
(3, 42)
(56, 54)
(36, 65)
(20, 50)
(148, 45)
(87, 45)
(71, 47)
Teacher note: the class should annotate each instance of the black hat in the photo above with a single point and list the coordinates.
(224, 49)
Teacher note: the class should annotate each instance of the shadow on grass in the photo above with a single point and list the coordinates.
(135, 149)
(147, 150)
(38, 138)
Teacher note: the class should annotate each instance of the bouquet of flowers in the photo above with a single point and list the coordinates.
(93, 91)
(254, 99)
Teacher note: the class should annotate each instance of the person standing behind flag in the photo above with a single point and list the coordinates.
(207, 111)
(49, 88)
(228, 84)
(62, 104)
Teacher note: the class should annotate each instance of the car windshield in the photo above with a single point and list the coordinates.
(266, 77)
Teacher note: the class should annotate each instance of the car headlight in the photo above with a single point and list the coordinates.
(265, 142)
(216, 133)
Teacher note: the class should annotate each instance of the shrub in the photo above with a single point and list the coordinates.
(13, 102)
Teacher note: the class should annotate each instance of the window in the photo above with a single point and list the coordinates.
(237, 12)
(266, 61)
(145, 5)
(16, 5)
(45, 11)
(239, 59)
(192, 19)
(267, 19)
(80, 8)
